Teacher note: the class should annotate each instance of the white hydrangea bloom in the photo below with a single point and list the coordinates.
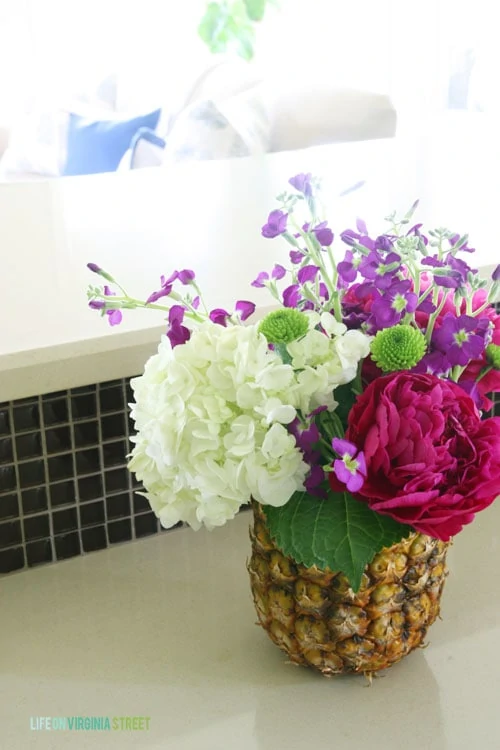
(209, 416)
(325, 362)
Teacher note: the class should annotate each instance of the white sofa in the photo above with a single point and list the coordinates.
(262, 113)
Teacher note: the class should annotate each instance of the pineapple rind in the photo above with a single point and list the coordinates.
(316, 619)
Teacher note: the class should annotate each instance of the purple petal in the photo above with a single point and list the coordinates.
(496, 274)
(355, 482)
(276, 224)
(186, 276)
(341, 471)
(315, 478)
(173, 277)
(360, 458)
(323, 291)
(195, 303)
(344, 446)
(94, 267)
(278, 272)
(361, 226)
(176, 314)
(349, 237)
(302, 183)
(97, 304)
(318, 410)
(296, 256)
(114, 317)
(219, 316)
(307, 273)
(178, 334)
(259, 281)
(324, 236)
(245, 308)
(291, 296)
(154, 296)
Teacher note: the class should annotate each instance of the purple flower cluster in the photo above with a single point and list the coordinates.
(307, 436)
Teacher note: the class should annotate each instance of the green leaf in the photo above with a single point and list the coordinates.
(339, 532)
(212, 23)
(255, 9)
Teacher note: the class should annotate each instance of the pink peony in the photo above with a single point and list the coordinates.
(431, 462)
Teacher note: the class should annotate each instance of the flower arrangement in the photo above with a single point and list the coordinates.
(354, 413)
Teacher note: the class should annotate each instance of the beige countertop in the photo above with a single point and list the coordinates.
(164, 628)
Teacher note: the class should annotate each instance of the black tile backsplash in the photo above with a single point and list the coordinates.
(64, 486)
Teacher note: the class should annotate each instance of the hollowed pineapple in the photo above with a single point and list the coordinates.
(314, 616)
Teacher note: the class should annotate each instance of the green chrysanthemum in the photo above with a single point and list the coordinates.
(398, 348)
(283, 326)
(493, 355)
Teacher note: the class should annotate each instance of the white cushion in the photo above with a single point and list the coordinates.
(219, 130)
(306, 114)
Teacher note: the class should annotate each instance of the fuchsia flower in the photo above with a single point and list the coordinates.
(431, 461)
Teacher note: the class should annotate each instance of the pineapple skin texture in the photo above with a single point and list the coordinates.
(316, 619)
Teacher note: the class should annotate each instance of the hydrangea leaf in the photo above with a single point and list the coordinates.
(339, 532)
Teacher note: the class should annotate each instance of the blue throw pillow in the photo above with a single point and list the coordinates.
(98, 146)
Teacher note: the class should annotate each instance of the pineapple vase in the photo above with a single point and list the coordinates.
(318, 621)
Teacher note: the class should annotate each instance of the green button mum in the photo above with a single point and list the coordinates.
(398, 348)
(493, 356)
(283, 326)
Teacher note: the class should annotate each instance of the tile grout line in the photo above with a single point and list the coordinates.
(43, 438)
(18, 484)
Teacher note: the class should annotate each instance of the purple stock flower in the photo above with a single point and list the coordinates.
(350, 237)
(384, 243)
(155, 296)
(307, 273)
(381, 270)
(245, 308)
(186, 276)
(259, 282)
(168, 282)
(433, 363)
(276, 224)
(278, 272)
(291, 296)
(306, 438)
(346, 268)
(177, 333)
(389, 308)
(219, 316)
(302, 183)
(296, 256)
(114, 316)
(453, 241)
(459, 339)
(323, 233)
(351, 468)
(314, 480)
(452, 280)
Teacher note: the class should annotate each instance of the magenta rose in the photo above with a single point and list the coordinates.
(431, 462)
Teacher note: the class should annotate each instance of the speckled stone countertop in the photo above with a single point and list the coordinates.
(164, 629)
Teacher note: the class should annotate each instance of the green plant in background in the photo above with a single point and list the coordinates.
(229, 25)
